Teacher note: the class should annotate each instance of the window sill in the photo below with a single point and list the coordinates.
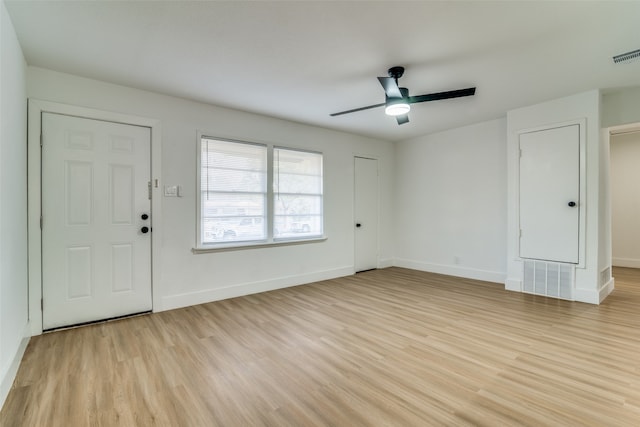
(255, 245)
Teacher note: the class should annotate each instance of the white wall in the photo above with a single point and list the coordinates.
(451, 202)
(13, 205)
(188, 278)
(589, 286)
(621, 107)
(625, 199)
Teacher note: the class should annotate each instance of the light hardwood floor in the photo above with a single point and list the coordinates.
(391, 347)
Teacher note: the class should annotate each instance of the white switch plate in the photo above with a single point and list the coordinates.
(172, 191)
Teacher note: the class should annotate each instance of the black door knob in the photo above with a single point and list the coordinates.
(144, 230)
(144, 216)
(358, 225)
(572, 204)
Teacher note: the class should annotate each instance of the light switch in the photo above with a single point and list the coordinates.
(172, 191)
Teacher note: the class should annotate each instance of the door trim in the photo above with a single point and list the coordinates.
(34, 176)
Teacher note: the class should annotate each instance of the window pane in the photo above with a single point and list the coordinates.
(297, 183)
(221, 205)
(297, 204)
(233, 229)
(216, 179)
(292, 226)
(233, 188)
(297, 171)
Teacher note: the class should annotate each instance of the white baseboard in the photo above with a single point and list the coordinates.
(452, 270)
(513, 285)
(590, 296)
(625, 262)
(606, 289)
(385, 263)
(581, 295)
(9, 375)
(200, 297)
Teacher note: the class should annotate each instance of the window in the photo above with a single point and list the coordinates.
(297, 193)
(245, 200)
(233, 191)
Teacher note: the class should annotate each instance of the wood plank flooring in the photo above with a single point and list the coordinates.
(391, 347)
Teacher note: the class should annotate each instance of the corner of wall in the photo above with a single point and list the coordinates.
(8, 376)
(514, 285)
(14, 322)
(450, 270)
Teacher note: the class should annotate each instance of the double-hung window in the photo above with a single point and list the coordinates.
(297, 193)
(233, 191)
(257, 194)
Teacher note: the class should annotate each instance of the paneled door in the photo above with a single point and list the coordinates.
(366, 214)
(550, 194)
(96, 220)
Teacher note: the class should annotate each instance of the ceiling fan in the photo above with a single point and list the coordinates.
(397, 100)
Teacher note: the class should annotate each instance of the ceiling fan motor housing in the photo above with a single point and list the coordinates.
(396, 72)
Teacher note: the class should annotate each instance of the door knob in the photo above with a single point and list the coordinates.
(358, 225)
(572, 204)
(144, 216)
(144, 230)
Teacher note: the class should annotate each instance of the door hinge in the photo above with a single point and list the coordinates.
(149, 188)
(41, 221)
(41, 139)
(520, 152)
(41, 303)
(520, 233)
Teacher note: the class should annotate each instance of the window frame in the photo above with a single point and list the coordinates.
(270, 240)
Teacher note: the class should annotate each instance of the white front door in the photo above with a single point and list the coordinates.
(96, 220)
(550, 194)
(366, 214)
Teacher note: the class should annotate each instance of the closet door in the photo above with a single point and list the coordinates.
(366, 214)
(549, 194)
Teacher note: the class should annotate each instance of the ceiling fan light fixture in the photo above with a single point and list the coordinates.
(397, 100)
(397, 107)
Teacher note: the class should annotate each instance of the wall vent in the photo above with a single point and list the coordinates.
(627, 57)
(550, 279)
(605, 276)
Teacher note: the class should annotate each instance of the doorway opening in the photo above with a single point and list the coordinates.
(624, 203)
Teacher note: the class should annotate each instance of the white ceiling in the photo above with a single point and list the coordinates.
(301, 60)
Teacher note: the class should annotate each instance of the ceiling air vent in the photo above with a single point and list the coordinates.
(626, 57)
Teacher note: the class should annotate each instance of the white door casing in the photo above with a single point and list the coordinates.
(96, 261)
(549, 206)
(366, 213)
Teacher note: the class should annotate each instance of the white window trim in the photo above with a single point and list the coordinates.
(225, 247)
(270, 241)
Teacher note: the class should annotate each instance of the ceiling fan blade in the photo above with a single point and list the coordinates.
(390, 87)
(356, 109)
(402, 119)
(442, 95)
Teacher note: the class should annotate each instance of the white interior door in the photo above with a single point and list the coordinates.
(96, 255)
(549, 194)
(366, 214)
